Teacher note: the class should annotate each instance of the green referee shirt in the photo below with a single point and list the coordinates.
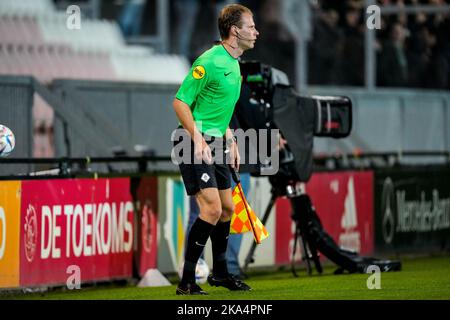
(211, 89)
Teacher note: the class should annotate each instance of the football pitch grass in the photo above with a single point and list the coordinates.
(420, 278)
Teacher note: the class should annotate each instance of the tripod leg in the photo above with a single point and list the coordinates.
(315, 258)
(318, 264)
(306, 253)
(294, 249)
(249, 259)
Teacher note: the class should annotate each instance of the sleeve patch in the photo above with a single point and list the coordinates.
(198, 72)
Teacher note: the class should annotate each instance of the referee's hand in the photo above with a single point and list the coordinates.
(203, 151)
(235, 157)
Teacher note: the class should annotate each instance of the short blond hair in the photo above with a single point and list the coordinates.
(229, 16)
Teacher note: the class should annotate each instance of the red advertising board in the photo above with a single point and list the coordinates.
(147, 206)
(86, 224)
(344, 203)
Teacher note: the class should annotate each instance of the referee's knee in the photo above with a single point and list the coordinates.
(212, 210)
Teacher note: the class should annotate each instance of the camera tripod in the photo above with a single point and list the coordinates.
(301, 204)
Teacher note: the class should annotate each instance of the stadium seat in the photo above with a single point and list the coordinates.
(14, 29)
(35, 40)
(31, 8)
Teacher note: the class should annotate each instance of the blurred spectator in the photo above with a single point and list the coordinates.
(352, 55)
(186, 13)
(276, 45)
(325, 48)
(218, 5)
(393, 65)
(417, 56)
(437, 66)
(443, 45)
(196, 26)
(413, 49)
(130, 19)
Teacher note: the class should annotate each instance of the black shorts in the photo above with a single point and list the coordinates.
(197, 176)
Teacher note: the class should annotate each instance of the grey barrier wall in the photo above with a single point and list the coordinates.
(16, 102)
(140, 114)
(93, 117)
(392, 120)
(384, 120)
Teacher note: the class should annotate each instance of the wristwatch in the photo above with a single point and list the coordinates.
(230, 141)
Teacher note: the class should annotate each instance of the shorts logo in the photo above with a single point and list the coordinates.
(199, 72)
(205, 177)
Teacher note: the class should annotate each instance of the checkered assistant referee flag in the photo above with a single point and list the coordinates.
(244, 218)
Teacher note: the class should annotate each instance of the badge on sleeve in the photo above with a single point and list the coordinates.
(199, 72)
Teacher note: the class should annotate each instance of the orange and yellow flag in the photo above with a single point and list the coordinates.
(244, 218)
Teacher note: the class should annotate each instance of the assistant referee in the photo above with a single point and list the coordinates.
(204, 105)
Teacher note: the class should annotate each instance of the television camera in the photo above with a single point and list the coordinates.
(268, 101)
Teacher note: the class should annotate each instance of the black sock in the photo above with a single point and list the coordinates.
(198, 235)
(219, 241)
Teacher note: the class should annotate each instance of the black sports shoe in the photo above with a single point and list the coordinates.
(190, 289)
(230, 282)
